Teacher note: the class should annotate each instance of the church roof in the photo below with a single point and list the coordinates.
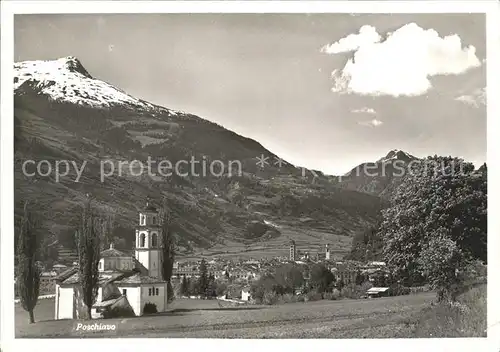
(66, 274)
(105, 277)
(141, 268)
(112, 252)
(110, 291)
(130, 277)
(150, 208)
(107, 302)
(139, 279)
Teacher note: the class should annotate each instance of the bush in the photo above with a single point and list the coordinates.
(271, 298)
(150, 308)
(464, 318)
(332, 296)
(313, 296)
(351, 291)
(365, 286)
(399, 290)
(289, 298)
(118, 312)
(221, 288)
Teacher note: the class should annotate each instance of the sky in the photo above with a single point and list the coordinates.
(324, 91)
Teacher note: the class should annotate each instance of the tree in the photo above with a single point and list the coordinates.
(211, 287)
(321, 278)
(380, 280)
(88, 240)
(221, 288)
(266, 283)
(366, 245)
(360, 278)
(48, 251)
(168, 251)
(441, 261)
(184, 286)
(108, 225)
(193, 287)
(436, 220)
(28, 273)
(203, 279)
(290, 277)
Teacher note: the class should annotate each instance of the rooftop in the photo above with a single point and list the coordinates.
(104, 277)
(107, 303)
(377, 289)
(112, 252)
(139, 279)
(149, 207)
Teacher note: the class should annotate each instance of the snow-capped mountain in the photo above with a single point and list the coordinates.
(66, 79)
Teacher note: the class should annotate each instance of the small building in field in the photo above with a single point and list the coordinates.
(245, 294)
(375, 292)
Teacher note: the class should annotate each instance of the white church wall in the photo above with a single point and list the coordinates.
(99, 295)
(65, 301)
(134, 298)
(143, 258)
(56, 305)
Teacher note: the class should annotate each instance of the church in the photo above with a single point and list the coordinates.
(125, 282)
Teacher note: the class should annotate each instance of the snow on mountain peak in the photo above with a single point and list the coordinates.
(71, 63)
(65, 79)
(397, 154)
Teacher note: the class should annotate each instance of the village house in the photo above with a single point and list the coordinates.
(344, 272)
(375, 292)
(124, 281)
(245, 294)
(48, 282)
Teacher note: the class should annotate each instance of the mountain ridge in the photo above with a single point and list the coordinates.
(380, 177)
(213, 213)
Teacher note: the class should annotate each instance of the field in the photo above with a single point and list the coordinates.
(371, 318)
(307, 240)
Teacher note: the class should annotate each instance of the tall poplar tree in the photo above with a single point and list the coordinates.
(203, 280)
(28, 273)
(168, 251)
(88, 240)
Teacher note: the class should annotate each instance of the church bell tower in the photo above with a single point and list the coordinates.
(148, 240)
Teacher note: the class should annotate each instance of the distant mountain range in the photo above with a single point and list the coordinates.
(380, 177)
(63, 113)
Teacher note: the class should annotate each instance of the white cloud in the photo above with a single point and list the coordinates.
(401, 64)
(371, 123)
(364, 111)
(476, 98)
(367, 35)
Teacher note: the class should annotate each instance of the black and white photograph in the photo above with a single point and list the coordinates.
(249, 175)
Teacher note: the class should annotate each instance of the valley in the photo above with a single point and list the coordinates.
(230, 211)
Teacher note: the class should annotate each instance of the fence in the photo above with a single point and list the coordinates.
(17, 300)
